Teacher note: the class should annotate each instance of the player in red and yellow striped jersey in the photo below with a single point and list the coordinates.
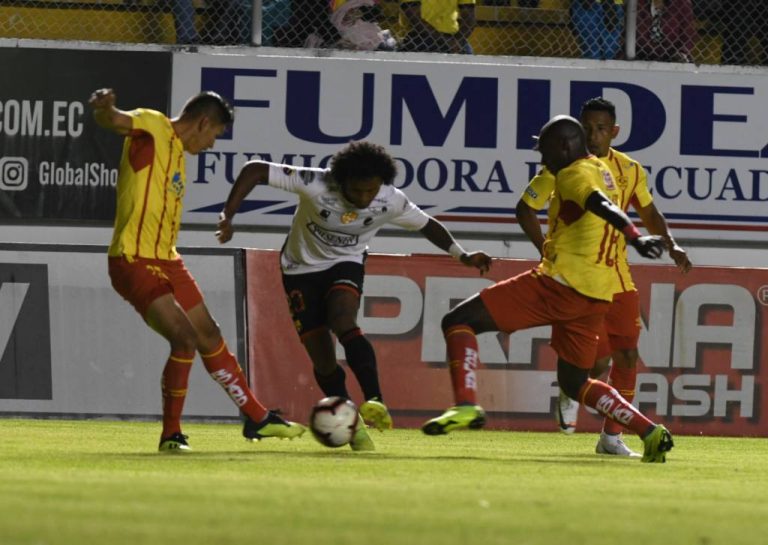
(148, 272)
(622, 325)
(571, 289)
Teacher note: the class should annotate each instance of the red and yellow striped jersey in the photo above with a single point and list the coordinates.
(150, 189)
(632, 185)
(580, 248)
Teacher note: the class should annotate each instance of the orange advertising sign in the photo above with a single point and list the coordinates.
(702, 344)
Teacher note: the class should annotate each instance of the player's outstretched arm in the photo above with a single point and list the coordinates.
(437, 234)
(654, 221)
(650, 247)
(105, 113)
(252, 174)
(529, 222)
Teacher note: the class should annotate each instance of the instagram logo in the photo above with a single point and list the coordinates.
(13, 173)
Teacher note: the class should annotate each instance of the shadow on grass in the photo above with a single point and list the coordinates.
(348, 455)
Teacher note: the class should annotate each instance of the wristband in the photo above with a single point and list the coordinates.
(631, 232)
(456, 251)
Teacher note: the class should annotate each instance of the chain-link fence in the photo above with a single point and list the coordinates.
(700, 31)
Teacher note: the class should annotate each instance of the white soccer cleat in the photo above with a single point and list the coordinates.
(567, 413)
(613, 445)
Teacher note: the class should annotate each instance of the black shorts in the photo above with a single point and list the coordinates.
(307, 293)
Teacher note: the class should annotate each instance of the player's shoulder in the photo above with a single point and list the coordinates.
(307, 176)
(625, 160)
(389, 194)
(148, 114)
(586, 166)
(150, 120)
(587, 172)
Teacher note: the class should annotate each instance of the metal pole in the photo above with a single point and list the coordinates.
(630, 38)
(256, 22)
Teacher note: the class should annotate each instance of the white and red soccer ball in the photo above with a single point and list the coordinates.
(333, 421)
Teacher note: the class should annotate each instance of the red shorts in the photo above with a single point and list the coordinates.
(140, 281)
(622, 324)
(532, 299)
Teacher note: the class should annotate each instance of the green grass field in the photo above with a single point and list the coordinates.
(66, 482)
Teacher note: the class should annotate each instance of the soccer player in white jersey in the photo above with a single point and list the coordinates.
(340, 210)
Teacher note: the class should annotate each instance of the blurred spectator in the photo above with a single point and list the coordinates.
(275, 13)
(520, 3)
(228, 22)
(665, 30)
(438, 26)
(355, 21)
(309, 26)
(599, 26)
(184, 21)
(741, 21)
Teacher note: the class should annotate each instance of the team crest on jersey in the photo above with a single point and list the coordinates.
(622, 182)
(348, 217)
(608, 179)
(177, 185)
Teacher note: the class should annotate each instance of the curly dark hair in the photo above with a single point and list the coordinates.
(599, 104)
(361, 160)
(210, 104)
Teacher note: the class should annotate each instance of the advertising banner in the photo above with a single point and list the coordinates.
(71, 346)
(55, 163)
(461, 131)
(703, 339)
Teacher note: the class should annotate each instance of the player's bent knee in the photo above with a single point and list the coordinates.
(571, 378)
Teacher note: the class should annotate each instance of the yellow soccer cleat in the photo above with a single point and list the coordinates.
(376, 413)
(455, 418)
(271, 426)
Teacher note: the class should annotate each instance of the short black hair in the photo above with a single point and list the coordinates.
(361, 159)
(599, 104)
(210, 104)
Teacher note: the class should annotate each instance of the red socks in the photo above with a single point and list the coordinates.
(463, 361)
(624, 380)
(224, 369)
(174, 387)
(609, 403)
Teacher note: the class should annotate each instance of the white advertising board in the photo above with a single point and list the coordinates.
(71, 346)
(461, 131)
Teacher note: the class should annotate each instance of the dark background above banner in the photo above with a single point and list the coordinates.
(55, 163)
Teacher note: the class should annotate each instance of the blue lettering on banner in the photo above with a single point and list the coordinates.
(222, 81)
(479, 96)
(302, 118)
(533, 99)
(698, 118)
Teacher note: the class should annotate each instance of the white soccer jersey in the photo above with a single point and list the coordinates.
(327, 229)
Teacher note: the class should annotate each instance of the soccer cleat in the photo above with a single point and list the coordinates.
(657, 444)
(271, 426)
(361, 441)
(458, 417)
(176, 443)
(375, 412)
(615, 446)
(567, 413)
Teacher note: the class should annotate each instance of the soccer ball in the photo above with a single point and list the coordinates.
(333, 421)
